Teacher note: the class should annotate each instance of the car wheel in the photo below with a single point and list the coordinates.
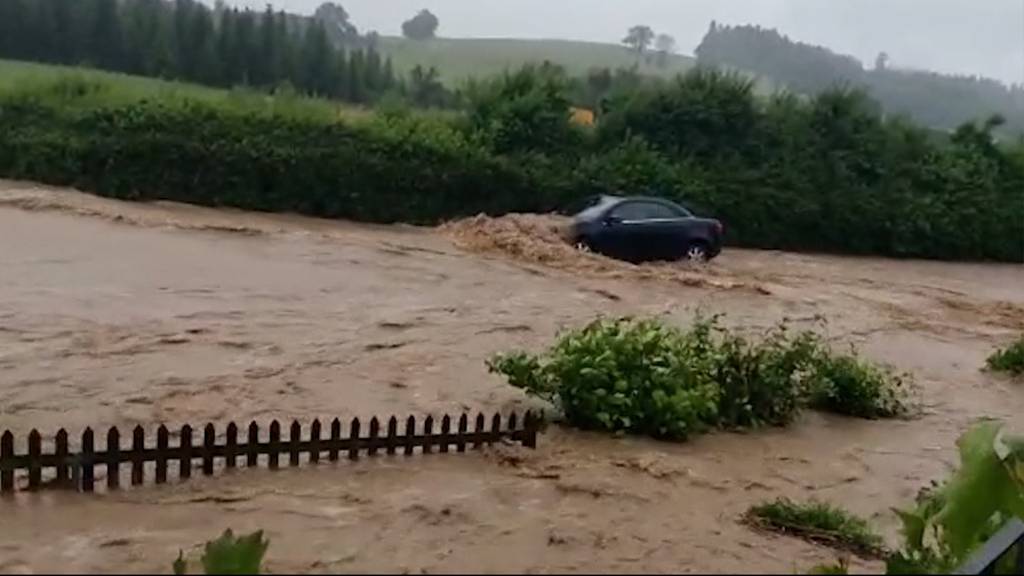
(697, 253)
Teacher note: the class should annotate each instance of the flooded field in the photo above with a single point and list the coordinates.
(124, 314)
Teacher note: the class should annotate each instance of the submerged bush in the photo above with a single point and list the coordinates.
(644, 377)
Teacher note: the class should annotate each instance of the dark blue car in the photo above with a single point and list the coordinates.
(641, 229)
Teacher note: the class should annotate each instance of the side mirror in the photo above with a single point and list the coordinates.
(612, 220)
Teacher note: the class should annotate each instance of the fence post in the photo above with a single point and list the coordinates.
(185, 461)
(478, 439)
(314, 441)
(162, 446)
(332, 455)
(252, 449)
(532, 423)
(428, 435)
(275, 445)
(446, 433)
(231, 446)
(410, 435)
(353, 438)
(35, 466)
(61, 452)
(513, 422)
(138, 447)
(88, 472)
(294, 438)
(113, 458)
(6, 452)
(460, 440)
(374, 435)
(495, 429)
(392, 436)
(209, 443)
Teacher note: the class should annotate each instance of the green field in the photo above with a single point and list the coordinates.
(460, 58)
(24, 75)
(111, 88)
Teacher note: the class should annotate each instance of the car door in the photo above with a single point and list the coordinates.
(632, 231)
(664, 231)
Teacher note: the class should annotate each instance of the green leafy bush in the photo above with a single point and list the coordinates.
(631, 376)
(848, 385)
(644, 377)
(818, 522)
(230, 555)
(1009, 359)
(764, 382)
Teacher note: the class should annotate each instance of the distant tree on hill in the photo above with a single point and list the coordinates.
(422, 26)
(425, 88)
(665, 44)
(881, 61)
(639, 38)
(336, 23)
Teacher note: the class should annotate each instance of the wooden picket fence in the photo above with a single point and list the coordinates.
(77, 470)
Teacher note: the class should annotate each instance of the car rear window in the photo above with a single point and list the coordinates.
(599, 206)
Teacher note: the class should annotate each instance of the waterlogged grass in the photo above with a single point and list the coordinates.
(1009, 360)
(820, 523)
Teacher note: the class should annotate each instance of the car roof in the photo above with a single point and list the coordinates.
(600, 204)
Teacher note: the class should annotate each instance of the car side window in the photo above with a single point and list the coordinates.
(644, 211)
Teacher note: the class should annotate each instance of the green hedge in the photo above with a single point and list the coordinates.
(382, 171)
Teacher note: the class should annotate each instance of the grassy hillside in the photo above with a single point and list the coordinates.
(459, 58)
(23, 75)
(90, 86)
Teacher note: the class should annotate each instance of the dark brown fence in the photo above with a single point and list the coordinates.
(77, 470)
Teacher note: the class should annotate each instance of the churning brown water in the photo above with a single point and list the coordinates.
(118, 314)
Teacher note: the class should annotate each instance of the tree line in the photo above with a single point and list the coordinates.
(936, 100)
(187, 40)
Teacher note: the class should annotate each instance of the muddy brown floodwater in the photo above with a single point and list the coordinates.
(124, 314)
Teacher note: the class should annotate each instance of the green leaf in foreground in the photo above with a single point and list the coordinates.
(231, 555)
(951, 521)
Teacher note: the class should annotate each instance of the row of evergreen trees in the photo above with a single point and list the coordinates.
(186, 40)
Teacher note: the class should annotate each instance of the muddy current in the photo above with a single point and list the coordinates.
(124, 314)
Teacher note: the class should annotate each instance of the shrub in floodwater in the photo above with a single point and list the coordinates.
(622, 375)
(848, 385)
(641, 376)
(1010, 359)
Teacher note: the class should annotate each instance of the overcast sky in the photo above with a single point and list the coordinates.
(984, 37)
